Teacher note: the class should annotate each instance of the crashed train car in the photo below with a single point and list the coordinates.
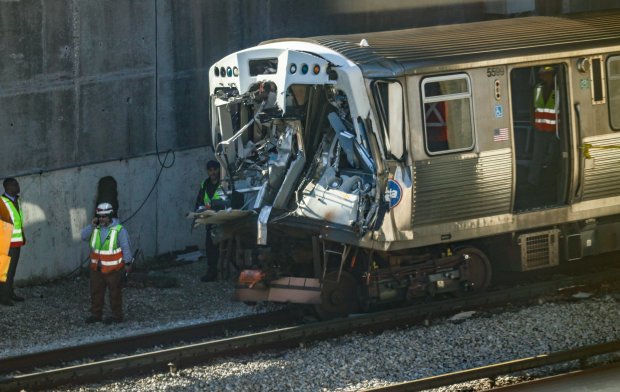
(367, 169)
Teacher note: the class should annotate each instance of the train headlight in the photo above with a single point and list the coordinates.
(229, 71)
(316, 69)
(304, 69)
(236, 71)
(216, 71)
(293, 68)
(222, 71)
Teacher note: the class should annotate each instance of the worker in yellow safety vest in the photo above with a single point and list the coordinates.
(209, 195)
(10, 199)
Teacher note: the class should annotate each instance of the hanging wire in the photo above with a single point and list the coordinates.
(162, 163)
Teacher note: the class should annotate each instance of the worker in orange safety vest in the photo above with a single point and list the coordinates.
(10, 199)
(546, 116)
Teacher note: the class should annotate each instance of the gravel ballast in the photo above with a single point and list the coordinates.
(53, 316)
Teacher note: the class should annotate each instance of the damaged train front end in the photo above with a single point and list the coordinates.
(298, 156)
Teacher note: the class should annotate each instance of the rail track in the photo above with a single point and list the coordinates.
(170, 359)
(131, 344)
(600, 378)
(581, 355)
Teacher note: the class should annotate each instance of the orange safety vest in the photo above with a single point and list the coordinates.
(107, 256)
(545, 113)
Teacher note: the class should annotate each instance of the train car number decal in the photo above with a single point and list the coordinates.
(394, 192)
(495, 71)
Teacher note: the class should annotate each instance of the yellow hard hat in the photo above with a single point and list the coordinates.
(546, 68)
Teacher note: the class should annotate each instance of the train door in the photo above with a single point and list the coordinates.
(541, 136)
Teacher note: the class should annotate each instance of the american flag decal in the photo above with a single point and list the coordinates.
(500, 134)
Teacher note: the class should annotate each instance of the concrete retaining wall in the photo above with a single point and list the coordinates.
(58, 204)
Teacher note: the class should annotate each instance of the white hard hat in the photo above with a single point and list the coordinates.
(104, 209)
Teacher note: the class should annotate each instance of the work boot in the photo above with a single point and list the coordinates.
(16, 298)
(112, 320)
(92, 319)
(209, 277)
(6, 301)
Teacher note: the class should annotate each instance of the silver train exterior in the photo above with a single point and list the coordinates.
(371, 168)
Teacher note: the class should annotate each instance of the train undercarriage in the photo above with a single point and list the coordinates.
(339, 279)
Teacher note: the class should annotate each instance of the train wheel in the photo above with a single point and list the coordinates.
(338, 299)
(476, 270)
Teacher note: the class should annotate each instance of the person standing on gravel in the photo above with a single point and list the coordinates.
(209, 194)
(110, 254)
(10, 198)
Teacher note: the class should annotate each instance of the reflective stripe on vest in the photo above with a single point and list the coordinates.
(109, 255)
(217, 195)
(17, 238)
(545, 113)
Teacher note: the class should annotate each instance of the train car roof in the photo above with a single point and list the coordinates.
(416, 50)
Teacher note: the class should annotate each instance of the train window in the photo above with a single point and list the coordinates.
(390, 105)
(448, 124)
(263, 67)
(598, 80)
(613, 78)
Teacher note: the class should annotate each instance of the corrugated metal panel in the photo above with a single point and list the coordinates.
(452, 188)
(449, 44)
(603, 178)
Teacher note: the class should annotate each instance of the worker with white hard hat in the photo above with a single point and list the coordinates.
(110, 255)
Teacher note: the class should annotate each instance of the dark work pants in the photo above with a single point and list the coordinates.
(98, 284)
(212, 252)
(6, 289)
(545, 148)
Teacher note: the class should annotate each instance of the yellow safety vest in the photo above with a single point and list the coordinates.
(17, 238)
(106, 256)
(216, 196)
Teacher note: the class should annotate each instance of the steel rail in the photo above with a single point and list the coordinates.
(500, 369)
(129, 344)
(278, 339)
(572, 380)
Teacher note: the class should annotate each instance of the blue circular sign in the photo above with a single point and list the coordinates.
(395, 192)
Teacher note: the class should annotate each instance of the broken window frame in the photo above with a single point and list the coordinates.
(393, 134)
